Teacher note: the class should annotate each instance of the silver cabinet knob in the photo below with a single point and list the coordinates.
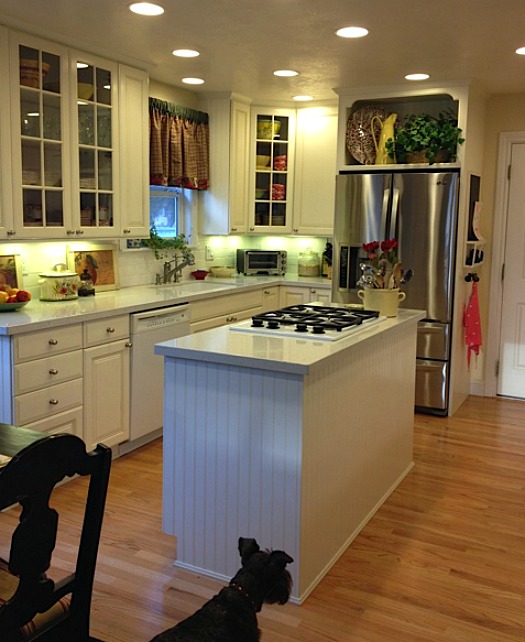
(53, 342)
(53, 371)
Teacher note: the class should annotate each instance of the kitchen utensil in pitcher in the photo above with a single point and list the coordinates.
(387, 132)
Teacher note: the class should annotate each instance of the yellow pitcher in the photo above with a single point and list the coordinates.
(387, 131)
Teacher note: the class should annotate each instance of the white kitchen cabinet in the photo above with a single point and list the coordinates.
(315, 171)
(226, 204)
(270, 298)
(221, 310)
(69, 130)
(272, 170)
(41, 155)
(47, 380)
(106, 381)
(133, 128)
(299, 295)
(6, 204)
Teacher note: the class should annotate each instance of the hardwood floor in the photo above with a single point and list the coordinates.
(442, 560)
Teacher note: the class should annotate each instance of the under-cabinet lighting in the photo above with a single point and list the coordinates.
(521, 51)
(146, 9)
(352, 32)
(186, 53)
(82, 65)
(303, 98)
(193, 81)
(417, 77)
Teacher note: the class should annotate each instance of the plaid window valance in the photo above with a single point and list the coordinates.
(179, 146)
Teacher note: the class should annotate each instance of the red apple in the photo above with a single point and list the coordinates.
(22, 296)
(12, 299)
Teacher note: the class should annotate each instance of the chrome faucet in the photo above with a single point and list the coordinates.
(175, 272)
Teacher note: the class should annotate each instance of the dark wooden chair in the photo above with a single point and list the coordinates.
(33, 605)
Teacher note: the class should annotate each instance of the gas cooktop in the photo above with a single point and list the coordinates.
(323, 323)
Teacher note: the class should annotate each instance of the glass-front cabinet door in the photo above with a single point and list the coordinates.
(39, 124)
(96, 157)
(273, 174)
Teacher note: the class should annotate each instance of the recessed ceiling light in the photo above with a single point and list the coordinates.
(146, 8)
(193, 81)
(186, 53)
(285, 73)
(351, 32)
(303, 98)
(521, 51)
(417, 77)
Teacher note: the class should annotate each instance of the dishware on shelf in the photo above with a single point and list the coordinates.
(30, 72)
(280, 163)
(84, 91)
(268, 128)
(359, 138)
(278, 192)
(261, 193)
(262, 161)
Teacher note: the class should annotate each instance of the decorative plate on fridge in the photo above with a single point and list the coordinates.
(359, 139)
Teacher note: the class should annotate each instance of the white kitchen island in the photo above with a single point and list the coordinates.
(295, 442)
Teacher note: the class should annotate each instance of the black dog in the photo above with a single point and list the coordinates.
(230, 616)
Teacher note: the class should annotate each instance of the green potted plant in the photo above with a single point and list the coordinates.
(425, 138)
(163, 248)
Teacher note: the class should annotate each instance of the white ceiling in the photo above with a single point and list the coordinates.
(243, 41)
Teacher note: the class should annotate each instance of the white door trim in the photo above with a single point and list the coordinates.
(506, 140)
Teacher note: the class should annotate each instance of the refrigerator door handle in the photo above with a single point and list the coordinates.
(384, 211)
(395, 208)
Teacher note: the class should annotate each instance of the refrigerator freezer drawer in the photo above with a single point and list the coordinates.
(433, 340)
(432, 385)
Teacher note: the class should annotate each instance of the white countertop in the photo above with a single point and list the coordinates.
(285, 354)
(45, 314)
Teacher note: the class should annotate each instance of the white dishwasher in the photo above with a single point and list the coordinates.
(147, 369)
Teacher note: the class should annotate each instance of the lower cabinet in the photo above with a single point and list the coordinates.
(106, 381)
(299, 295)
(48, 380)
(221, 310)
(270, 298)
(72, 379)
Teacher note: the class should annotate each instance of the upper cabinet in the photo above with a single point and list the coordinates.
(273, 151)
(6, 203)
(225, 203)
(69, 131)
(315, 170)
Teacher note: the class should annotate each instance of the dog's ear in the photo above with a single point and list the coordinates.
(247, 547)
(280, 558)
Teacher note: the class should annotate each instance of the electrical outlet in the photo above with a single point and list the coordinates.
(209, 253)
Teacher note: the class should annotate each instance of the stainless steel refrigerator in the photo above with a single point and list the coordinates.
(419, 209)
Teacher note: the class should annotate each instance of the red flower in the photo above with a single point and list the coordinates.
(371, 247)
(388, 245)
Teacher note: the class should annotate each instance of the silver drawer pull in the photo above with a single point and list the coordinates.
(110, 330)
(53, 402)
(53, 342)
(53, 371)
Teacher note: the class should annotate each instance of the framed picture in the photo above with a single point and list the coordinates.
(99, 260)
(11, 270)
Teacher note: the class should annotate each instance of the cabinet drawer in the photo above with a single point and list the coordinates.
(112, 329)
(69, 422)
(217, 322)
(224, 305)
(42, 373)
(43, 343)
(43, 403)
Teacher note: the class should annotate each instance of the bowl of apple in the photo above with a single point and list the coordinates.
(12, 299)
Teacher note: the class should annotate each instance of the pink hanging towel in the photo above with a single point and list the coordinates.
(472, 323)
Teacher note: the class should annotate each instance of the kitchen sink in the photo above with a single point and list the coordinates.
(180, 289)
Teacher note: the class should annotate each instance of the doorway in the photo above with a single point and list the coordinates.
(507, 314)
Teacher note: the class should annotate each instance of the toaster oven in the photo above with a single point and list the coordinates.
(261, 262)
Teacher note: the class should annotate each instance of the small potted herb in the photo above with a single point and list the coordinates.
(425, 138)
(163, 248)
